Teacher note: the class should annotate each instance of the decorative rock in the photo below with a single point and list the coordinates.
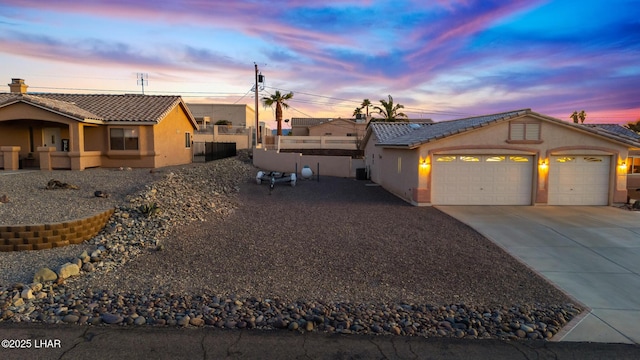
(71, 319)
(184, 321)
(67, 270)
(27, 294)
(309, 326)
(526, 328)
(88, 267)
(44, 275)
(140, 320)
(111, 318)
(18, 302)
(293, 325)
(396, 330)
(196, 322)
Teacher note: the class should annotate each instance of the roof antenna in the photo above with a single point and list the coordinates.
(143, 80)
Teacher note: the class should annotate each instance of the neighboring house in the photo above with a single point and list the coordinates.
(335, 127)
(512, 158)
(633, 160)
(76, 131)
(239, 115)
(327, 127)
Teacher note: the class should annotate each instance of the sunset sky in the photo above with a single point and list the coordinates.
(440, 59)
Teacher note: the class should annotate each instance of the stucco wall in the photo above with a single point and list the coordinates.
(238, 114)
(95, 138)
(337, 128)
(169, 139)
(340, 166)
(492, 139)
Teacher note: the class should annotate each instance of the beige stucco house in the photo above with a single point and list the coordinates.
(77, 131)
(328, 127)
(240, 115)
(512, 158)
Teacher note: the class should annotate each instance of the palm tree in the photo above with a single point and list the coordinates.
(389, 111)
(365, 105)
(574, 116)
(357, 111)
(582, 115)
(634, 126)
(279, 100)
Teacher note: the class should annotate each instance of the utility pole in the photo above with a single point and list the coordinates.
(256, 96)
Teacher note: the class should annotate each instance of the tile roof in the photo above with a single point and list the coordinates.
(385, 131)
(310, 121)
(616, 130)
(438, 130)
(108, 108)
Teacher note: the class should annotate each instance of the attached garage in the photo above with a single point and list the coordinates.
(512, 158)
(579, 180)
(482, 179)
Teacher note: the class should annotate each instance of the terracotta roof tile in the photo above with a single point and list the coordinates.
(108, 108)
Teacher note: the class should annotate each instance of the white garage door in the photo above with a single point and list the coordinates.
(481, 180)
(579, 180)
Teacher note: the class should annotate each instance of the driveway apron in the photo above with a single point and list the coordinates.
(590, 252)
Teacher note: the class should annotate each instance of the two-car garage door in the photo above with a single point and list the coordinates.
(508, 180)
(482, 180)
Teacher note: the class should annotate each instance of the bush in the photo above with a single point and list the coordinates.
(149, 210)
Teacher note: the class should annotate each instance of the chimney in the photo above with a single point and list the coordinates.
(18, 86)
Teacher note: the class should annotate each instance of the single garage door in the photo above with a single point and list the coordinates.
(481, 179)
(579, 180)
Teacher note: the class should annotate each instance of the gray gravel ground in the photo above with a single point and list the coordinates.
(333, 240)
(338, 255)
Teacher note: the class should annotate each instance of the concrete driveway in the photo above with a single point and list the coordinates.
(590, 252)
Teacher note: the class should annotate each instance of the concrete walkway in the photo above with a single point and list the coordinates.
(590, 252)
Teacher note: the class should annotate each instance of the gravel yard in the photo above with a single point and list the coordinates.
(222, 239)
(333, 240)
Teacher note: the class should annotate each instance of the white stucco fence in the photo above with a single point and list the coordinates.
(340, 166)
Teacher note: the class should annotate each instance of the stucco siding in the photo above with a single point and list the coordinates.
(399, 171)
(169, 139)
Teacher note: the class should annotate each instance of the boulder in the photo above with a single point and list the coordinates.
(43, 275)
(67, 270)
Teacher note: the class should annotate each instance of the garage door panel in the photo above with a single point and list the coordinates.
(579, 180)
(493, 180)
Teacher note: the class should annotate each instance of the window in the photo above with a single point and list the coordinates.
(446, 158)
(519, 158)
(496, 158)
(524, 132)
(592, 159)
(187, 140)
(633, 165)
(123, 139)
(470, 158)
(565, 159)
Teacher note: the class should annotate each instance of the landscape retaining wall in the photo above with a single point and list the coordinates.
(47, 236)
